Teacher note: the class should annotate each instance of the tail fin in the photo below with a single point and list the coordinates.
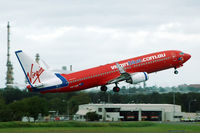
(37, 76)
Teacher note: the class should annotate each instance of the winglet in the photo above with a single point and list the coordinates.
(121, 69)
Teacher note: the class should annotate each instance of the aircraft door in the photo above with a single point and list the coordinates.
(175, 61)
(174, 57)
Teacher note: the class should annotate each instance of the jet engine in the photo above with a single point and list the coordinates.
(138, 77)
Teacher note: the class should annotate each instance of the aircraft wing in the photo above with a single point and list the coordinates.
(123, 75)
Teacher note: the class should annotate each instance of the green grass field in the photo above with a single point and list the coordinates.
(85, 127)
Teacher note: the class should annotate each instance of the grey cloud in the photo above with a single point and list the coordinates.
(85, 49)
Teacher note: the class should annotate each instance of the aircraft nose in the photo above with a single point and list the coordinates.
(187, 56)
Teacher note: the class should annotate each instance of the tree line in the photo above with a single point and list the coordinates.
(16, 103)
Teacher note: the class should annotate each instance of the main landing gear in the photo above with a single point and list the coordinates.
(175, 71)
(115, 89)
(103, 88)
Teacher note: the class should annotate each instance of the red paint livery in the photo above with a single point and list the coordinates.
(88, 78)
(132, 70)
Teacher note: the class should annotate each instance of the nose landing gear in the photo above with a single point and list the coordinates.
(175, 71)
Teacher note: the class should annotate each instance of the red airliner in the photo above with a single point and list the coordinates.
(133, 71)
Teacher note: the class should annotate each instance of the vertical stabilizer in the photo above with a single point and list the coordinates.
(36, 75)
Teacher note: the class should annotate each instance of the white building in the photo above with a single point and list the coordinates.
(131, 112)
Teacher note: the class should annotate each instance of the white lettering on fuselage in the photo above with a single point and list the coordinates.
(132, 62)
(153, 57)
(122, 65)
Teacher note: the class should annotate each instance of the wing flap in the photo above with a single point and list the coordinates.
(123, 75)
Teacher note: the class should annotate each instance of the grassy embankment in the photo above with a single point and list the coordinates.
(90, 127)
(75, 124)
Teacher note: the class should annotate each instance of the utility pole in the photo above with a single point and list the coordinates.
(9, 74)
(174, 102)
(193, 100)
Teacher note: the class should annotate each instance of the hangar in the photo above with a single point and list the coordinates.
(131, 112)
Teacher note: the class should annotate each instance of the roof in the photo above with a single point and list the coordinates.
(84, 112)
(112, 104)
(130, 107)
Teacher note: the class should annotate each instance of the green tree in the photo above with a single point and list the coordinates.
(92, 116)
(12, 94)
(36, 105)
(18, 109)
(58, 104)
(2, 103)
(80, 98)
(6, 114)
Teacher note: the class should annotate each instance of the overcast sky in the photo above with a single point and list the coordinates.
(88, 33)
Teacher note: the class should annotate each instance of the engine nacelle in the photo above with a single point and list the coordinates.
(138, 77)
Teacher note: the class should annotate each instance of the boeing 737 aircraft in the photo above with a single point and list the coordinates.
(133, 71)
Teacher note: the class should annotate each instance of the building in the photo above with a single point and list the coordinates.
(131, 112)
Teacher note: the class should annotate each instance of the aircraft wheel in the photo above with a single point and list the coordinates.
(116, 89)
(175, 72)
(104, 88)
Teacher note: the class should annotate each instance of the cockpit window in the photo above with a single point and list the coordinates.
(181, 53)
(180, 58)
